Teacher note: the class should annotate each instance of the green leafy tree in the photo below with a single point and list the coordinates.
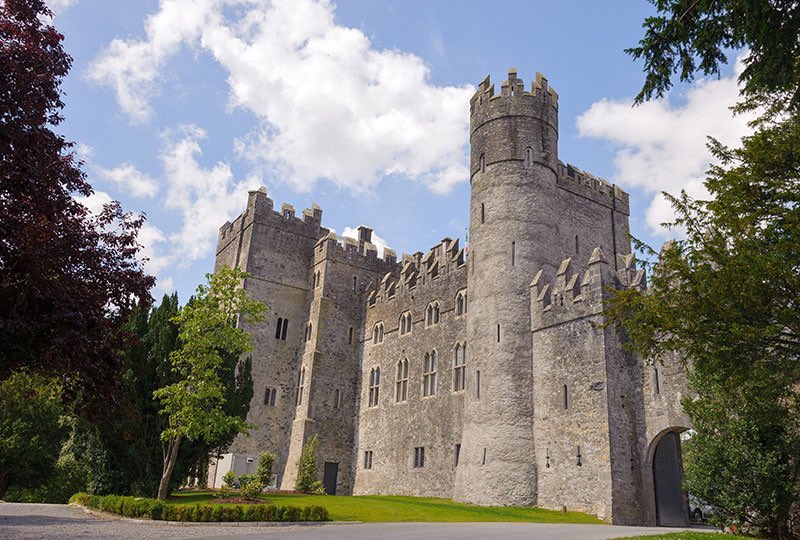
(726, 297)
(687, 36)
(307, 480)
(194, 405)
(266, 460)
(31, 429)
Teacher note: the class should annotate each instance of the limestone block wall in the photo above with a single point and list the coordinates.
(276, 249)
(338, 277)
(393, 428)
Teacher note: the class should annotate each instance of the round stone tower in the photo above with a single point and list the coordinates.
(513, 233)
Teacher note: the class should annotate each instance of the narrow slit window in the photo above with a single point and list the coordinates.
(350, 336)
(513, 253)
(656, 382)
(337, 399)
(355, 282)
(456, 454)
(483, 461)
(478, 384)
(577, 245)
(482, 163)
(483, 213)
(498, 333)
(278, 327)
(566, 398)
(284, 329)
(528, 157)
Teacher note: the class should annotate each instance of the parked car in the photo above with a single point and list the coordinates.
(699, 509)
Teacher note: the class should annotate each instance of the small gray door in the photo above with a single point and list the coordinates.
(330, 477)
(671, 508)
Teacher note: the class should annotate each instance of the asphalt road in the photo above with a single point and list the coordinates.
(50, 521)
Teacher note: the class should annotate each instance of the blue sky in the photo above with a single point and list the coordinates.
(179, 106)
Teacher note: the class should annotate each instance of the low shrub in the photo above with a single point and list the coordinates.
(229, 479)
(156, 509)
(252, 489)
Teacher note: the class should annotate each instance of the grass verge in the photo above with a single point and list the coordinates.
(385, 508)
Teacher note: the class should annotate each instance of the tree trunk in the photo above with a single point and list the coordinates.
(170, 457)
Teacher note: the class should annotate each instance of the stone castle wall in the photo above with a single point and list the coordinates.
(554, 411)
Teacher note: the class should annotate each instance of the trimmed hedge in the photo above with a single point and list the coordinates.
(137, 507)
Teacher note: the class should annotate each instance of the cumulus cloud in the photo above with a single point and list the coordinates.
(662, 147)
(380, 243)
(205, 197)
(330, 105)
(58, 6)
(95, 202)
(129, 178)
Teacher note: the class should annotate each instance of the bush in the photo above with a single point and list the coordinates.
(266, 461)
(307, 467)
(246, 479)
(158, 510)
(229, 479)
(252, 489)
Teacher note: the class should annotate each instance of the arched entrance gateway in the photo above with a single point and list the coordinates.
(667, 473)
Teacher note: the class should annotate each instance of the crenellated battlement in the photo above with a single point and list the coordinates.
(418, 271)
(354, 252)
(260, 208)
(587, 185)
(574, 293)
(540, 102)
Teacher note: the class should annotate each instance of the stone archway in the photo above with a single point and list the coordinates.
(667, 474)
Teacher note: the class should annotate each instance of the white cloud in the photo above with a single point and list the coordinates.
(95, 201)
(331, 106)
(58, 6)
(129, 178)
(380, 243)
(205, 198)
(663, 147)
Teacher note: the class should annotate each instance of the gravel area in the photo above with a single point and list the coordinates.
(50, 521)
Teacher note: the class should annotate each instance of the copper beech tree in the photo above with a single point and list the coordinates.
(67, 277)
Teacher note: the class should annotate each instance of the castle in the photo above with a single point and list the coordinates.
(488, 376)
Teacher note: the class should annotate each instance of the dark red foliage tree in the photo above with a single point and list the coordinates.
(68, 278)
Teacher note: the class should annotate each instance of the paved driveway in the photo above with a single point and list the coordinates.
(47, 521)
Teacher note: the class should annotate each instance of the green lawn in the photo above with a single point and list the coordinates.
(678, 536)
(395, 508)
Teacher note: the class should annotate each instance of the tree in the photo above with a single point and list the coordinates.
(266, 460)
(725, 298)
(688, 36)
(194, 405)
(67, 277)
(307, 480)
(31, 430)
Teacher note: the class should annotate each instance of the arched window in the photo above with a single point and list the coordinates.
(461, 303)
(301, 382)
(528, 157)
(459, 364)
(405, 323)
(374, 385)
(436, 313)
(429, 375)
(429, 315)
(401, 388)
(377, 333)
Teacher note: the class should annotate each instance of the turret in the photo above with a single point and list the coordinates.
(513, 233)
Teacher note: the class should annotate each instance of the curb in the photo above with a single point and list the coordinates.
(143, 521)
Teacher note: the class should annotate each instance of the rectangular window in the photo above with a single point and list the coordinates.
(459, 368)
(374, 386)
(278, 327)
(456, 454)
(419, 457)
(270, 395)
(368, 459)
(401, 389)
(301, 381)
(337, 398)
